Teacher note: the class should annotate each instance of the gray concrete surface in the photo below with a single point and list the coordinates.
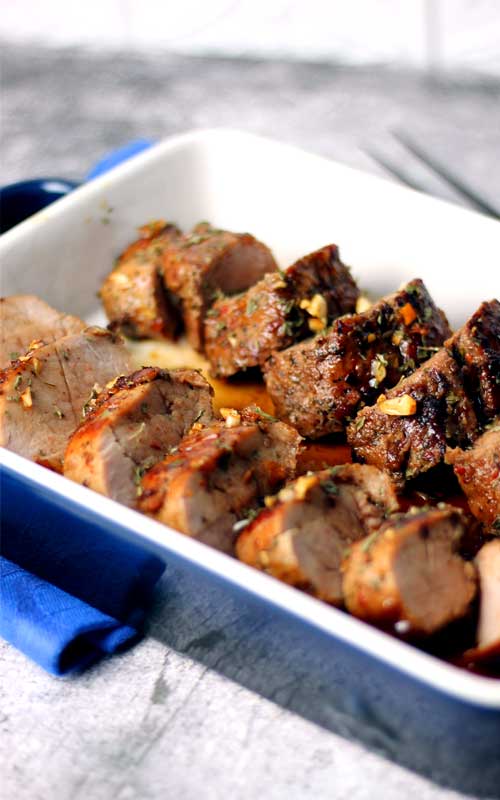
(161, 721)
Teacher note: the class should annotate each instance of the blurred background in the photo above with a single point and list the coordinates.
(339, 78)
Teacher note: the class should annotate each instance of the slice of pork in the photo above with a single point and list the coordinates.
(407, 431)
(318, 384)
(282, 308)
(302, 536)
(488, 632)
(476, 348)
(42, 394)
(133, 425)
(208, 261)
(478, 472)
(442, 404)
(218, 476)
(135, 298)
(25, 318)
(409, 574)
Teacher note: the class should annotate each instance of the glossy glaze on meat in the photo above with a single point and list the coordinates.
(131, 425)
(318, 384)
(218, 475)
(282, 308)
(441, 404)
(478, 473)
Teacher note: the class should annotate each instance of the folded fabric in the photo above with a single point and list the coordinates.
(58, 631)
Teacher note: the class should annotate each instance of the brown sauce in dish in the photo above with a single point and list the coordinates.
(456, 642)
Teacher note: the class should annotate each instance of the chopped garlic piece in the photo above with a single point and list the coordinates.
(37, 365)
(286, 495)
(316, 307)
(303, 484)
(315, 325)
(26, 398)
(231, 416)
(363, 304)
(402, 406)
(119, 277)
(282, 551)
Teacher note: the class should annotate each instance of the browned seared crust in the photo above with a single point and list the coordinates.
(453, 396)
(488, 630)
(317, 384)
(43, 392)
(134, 296)
(25, 318)
(282, 308)
(209, 261)
(478, 472)
(301, 538)
(217, 477)
(476, 348)
(407, 445)
(409, 574)
(132, 425)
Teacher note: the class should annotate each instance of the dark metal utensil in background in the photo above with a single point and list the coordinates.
(456, 182)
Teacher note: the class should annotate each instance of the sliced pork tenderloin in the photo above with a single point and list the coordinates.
(132, 425)
(218, 476)
(302, 536)
(135, 298)
(488, 631)
(476, 349)
(25, 318)
(42, 394)
(318, 384)
(282, 308)
(407, 431)
(409, 574)
(206, 262)
(478, 472)
(442, 404)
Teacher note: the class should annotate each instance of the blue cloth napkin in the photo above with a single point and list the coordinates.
(58, 631)
(53, 627)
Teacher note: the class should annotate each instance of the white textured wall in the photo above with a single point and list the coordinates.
(451, 34)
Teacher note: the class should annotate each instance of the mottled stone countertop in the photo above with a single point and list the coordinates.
(174, 717)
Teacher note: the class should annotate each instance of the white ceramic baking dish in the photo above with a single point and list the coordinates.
(295, 202)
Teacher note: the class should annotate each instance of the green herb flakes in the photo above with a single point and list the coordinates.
(367, 543)
(265, 415)
(252, 305)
